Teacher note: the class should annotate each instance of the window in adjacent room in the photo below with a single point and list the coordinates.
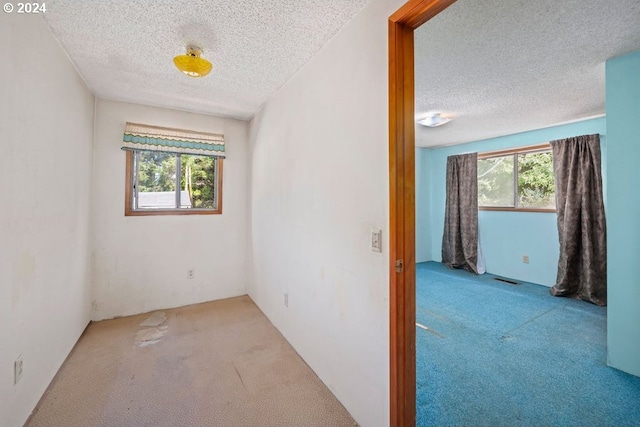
(172, 171)
(519, 179)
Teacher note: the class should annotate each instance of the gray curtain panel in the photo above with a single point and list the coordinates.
(582, 268)
(460, 239)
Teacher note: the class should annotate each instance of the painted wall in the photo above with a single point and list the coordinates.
(623, 212)
(319, 185)
(504, 236)
(46, 128)
(424, 203)
(140, 263)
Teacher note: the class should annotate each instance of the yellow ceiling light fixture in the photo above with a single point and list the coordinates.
(192, 64)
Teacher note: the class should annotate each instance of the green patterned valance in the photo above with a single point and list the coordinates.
(155, 138)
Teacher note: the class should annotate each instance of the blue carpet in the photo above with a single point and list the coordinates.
(496, 354)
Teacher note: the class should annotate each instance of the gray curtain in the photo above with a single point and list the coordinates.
(460, 239)
(582, 268)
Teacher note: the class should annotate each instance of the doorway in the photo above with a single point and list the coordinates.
(402, 206)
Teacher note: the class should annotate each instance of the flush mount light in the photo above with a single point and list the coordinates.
(433, 120)
(192, 64)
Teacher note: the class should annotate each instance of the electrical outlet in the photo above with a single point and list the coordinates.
(376, 240)
(525, 259)
(191, 273)
(286, 299)
(17, 369)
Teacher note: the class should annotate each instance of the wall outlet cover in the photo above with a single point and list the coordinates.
(18, 366)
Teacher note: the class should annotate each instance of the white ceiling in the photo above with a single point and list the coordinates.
(507, 66)
(498, 66)
(124, 49)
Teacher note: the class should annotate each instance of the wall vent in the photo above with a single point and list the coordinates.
(511, 282)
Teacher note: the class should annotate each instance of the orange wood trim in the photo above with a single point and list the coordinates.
(402, 333)
(156, 212)
(402, 371)
(416, 12)
(508, 209)
(219, 183)
(530, 148)
(128, 187)
(128, 195)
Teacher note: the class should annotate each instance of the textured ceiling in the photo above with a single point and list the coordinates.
(499, 67)
(503, 67)
(124, 49)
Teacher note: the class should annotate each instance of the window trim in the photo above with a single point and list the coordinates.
(514, 151)
(128, 194)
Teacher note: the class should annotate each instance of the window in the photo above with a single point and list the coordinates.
(519, 179)
(172, 172)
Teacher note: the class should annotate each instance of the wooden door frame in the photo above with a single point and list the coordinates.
(402, 280)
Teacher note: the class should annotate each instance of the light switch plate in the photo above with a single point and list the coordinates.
(376, 240)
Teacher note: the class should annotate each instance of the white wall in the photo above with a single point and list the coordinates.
(46, 128)
(319, 184)
(140, 263)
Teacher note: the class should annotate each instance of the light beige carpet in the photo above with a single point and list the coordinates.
(214, 364)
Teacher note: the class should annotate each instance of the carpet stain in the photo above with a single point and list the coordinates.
(149, 334)
(156, 319)
(152, 335)
(438, 316)
(428, 329)
(240, 376)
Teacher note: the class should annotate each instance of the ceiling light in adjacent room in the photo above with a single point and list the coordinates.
(192, 64)
(433, 120)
